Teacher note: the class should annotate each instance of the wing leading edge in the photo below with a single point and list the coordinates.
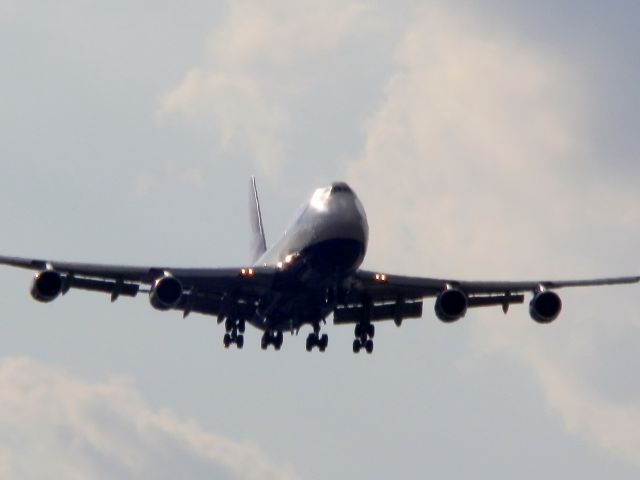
(422, 287)
(204, 290)
(377, 296)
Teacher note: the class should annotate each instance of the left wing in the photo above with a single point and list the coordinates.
(398, 297)
(384, 285)
(205, 290)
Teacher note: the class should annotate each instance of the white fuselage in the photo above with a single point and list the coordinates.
(330, 234)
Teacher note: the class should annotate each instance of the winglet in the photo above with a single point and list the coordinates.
(258, 242)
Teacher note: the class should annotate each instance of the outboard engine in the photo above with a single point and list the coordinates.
(545, 306)
(451, 305)
(47, 285)
(166, 292)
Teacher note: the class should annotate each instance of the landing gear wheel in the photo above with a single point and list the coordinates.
(310, 342)
(278, 339)
(364, 332)
(226, 340)
(358, 330)
(369, 346)
(324, 341)
(240, 341)
(371, 330)
(265, 341)
(241, 326)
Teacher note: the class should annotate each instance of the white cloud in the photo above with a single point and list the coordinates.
(263, 57)
(560, 358)
(477, 164)
(53, 425)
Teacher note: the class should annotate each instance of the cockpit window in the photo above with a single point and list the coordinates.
(340, 187)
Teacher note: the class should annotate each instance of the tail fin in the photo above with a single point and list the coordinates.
(258, 242)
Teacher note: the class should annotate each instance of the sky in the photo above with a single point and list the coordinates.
(486, 142)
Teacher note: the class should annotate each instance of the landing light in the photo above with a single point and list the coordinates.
(380, 277)
(247, 272)
(292, 257)
(288, 260)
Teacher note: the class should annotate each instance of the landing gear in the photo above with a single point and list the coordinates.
(316, 340)
(364, 337)
(235, 329)
(272, 338)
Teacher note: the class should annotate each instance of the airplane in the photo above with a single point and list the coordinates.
(311, 273)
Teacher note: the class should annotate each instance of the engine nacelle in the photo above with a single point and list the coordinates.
(451, 305)
(46, 286)
(545, 306)
(166, 292)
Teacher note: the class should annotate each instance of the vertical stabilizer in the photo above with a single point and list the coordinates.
(258, 242)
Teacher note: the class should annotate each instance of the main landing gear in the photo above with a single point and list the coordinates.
(235, 329)
(364, 337)
(316, 340)
(274, 338)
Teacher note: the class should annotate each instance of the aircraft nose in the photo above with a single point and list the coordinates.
(340, 187)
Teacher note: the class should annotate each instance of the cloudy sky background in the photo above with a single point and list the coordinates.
(494, 142)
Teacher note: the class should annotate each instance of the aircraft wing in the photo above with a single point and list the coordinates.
(204, 288)
(396, 297)
(387, 287)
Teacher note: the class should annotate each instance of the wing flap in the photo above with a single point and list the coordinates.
(388, 311)
(112, 287)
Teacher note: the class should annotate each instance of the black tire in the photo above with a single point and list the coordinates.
(310, 342)
(240, 341)
(241, 326)
(371, 330)
(369, 346)
(279, 339)
(324, 341)
(358, 330)
(265, 342)
(226, 340)
(229, 324)
(356, 346)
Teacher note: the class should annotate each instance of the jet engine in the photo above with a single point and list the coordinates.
(451, 305)
(166, 292)
(47, 285)
(545, 306)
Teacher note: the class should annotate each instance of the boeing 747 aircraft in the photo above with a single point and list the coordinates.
(311, 273)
